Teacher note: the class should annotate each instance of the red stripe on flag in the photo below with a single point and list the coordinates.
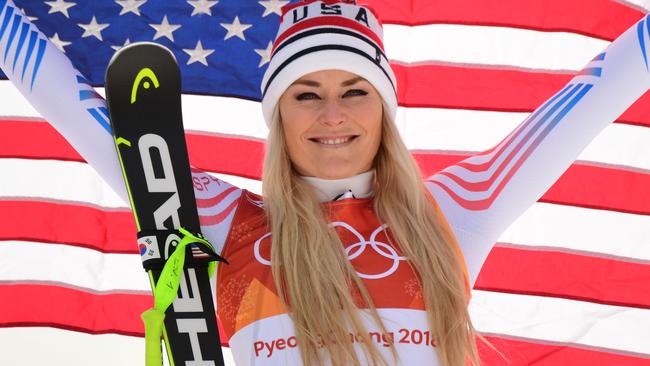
(226, 154)
(34, 140)
(490, 89)
(519, 352)
(604, 19)
(41, 305)
(572, 276)
(66, 308)
(107, 231)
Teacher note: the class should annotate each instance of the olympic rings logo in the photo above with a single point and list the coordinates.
(354, 250)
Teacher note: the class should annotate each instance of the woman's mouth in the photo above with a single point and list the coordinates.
(334, 141)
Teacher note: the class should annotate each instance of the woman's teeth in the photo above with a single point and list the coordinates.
(335, 141)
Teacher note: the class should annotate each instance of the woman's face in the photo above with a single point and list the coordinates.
(332, 124)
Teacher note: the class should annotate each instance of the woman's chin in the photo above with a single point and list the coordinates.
(338, 172)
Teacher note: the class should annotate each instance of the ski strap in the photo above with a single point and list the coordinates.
(166, 289)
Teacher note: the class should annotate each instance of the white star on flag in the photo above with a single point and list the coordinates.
(198, 54)
(93, 29)
(265, 54)
(117, 48)
(202, 6)
(273, 6)
(31, 19)
(60, 6)
(58, 42)
(130, 6)
(235, 29)
(165, 29)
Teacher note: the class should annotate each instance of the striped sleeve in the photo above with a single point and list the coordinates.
(216, 202)
(483, 194)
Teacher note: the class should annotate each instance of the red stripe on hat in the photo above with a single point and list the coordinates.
(331, 21)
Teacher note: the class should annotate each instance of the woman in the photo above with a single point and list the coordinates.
(349, 258)
(334, 158)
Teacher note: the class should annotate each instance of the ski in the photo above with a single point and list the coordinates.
(143, 92)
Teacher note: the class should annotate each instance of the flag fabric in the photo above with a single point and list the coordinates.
(567, 284)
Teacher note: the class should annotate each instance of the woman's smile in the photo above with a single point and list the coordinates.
(333, 142)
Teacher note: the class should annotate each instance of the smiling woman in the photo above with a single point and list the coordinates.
(332, 124)
(327, 282)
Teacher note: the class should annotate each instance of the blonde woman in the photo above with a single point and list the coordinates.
(349, 257)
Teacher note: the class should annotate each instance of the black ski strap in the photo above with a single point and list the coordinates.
(156, 245)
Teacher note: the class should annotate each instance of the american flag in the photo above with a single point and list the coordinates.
(567, 284)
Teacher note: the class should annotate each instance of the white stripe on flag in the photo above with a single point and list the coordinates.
(608, 233)
(71, 266)
(490, 45)
(58, 180)
(51, 346)
(559, 320)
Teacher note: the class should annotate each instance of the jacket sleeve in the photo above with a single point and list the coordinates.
(216, 202)
(483, 194)
(60, 93)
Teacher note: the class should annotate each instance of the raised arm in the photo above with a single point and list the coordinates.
(482, 195)
(50, 82)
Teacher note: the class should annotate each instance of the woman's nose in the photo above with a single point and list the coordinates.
(332, 113)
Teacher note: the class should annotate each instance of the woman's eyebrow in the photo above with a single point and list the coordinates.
(306, 82)
(352, 81)
(316, 84)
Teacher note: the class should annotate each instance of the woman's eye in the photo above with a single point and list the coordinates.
(355, 92)
(307, 96)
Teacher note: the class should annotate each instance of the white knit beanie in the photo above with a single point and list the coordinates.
(324, 35)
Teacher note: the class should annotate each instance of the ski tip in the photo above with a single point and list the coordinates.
(130, 46)
(135, 49)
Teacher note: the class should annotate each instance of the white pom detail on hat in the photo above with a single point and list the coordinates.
(327, 35)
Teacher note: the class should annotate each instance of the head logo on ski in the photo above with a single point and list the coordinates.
(144, 73)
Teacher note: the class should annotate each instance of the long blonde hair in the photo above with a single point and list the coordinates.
(316, 281)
